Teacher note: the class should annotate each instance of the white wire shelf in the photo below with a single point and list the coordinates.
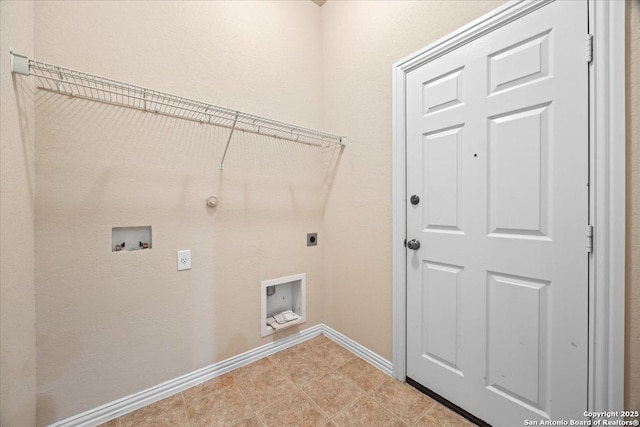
(88, 86)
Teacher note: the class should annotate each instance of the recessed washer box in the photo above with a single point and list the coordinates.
(127, 239)
(282, 294)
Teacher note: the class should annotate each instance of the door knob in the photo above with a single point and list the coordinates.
(415, 199)
(413, 244)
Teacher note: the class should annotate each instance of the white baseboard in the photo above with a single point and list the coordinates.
(117, 408)
(359, 350)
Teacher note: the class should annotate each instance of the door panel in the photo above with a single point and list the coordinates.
(497, 150)
(517, 338)
(517, 155)
(520, 63)
(442, 180)
(440, 328)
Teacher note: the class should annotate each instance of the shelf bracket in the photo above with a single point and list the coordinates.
(235, 120)
(20, 64)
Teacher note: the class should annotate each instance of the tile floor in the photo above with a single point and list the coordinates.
(315, 383)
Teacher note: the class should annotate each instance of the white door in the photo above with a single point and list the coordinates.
(497, 152)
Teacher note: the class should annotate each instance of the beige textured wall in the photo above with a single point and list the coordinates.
(111, 324)
(17, 189)
(361, 41)
(632, 336)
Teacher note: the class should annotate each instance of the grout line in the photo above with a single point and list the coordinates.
(363, 393)
(313, 402)
(426, 411)
(244, 398)
(377, 387)
(237, 386)
(349, 406)
(253, 410)
(299, 386)
(356, 384)
(256, 410)
(246, 401)
(186, 409)
(255, 414)
(388, 411)
(383, 406)
(358, 397)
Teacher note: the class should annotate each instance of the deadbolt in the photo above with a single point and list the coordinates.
(413, 244)
(415, 199)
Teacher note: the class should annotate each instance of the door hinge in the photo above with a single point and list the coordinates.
(589, 238)
(589, 47)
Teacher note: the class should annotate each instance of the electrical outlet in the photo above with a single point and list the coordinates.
(184, 260)
(312, 239)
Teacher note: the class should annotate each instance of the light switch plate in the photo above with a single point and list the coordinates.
(184, 260)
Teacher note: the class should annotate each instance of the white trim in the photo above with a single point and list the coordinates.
(497, 18)
(398, 227)
(607, 212)
(117, 408)
(359, 350)
(607, 81)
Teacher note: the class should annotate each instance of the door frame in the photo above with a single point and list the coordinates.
(607, 189)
